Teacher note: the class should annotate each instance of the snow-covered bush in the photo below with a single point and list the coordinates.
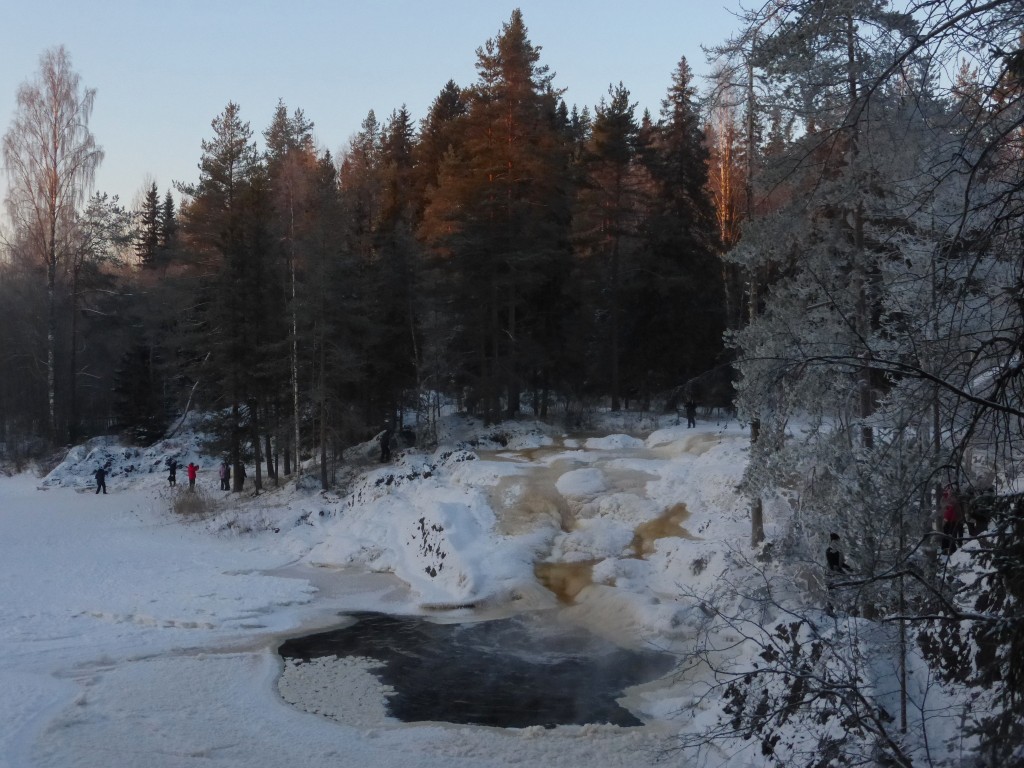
(193, 503)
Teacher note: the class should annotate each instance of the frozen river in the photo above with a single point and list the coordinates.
(130, 637)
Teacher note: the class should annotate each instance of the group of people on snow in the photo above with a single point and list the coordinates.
(224, 473)
(961, 513)
(191, 471)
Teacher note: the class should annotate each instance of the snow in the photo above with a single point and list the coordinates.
(133, 635)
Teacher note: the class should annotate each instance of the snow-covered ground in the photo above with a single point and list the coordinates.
(134, 636)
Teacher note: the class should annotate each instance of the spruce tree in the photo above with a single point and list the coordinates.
(291, 168)
(148, 241)
(439, 134)
(168, 229)
(684, 304)
(397, 267)
(609, 220)
(361, 183)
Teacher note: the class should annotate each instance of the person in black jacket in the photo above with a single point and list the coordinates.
(834, 556)
(101, 480)
(385, 443)
(691, 413)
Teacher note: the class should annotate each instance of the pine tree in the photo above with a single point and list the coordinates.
(221, 226)
(731, 139)
(500, 214)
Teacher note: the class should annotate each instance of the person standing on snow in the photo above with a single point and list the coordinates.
(952, 520)
(225, 476)
(385, 443)
(691, 413)
(101, 479)
(193, 470)
(172, 472)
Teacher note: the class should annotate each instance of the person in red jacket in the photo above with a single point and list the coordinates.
(193, 469)
(952, 520)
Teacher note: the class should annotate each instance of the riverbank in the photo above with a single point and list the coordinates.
(134, 637)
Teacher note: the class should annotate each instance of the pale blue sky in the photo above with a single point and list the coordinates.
(164, 70)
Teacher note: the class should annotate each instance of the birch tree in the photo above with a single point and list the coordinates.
(50, 157)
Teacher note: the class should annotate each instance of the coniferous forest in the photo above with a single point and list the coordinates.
(827, 234)
(506, 252)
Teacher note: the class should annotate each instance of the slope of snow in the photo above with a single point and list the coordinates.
(134, 636)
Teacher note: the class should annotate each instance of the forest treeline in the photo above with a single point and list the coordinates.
(506, 252)
(828, 238)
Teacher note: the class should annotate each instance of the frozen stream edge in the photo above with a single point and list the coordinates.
(340, 688)
(137, 640)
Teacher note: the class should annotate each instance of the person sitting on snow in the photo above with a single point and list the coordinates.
(834, 556)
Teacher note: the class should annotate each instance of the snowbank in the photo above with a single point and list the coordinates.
(134, 636)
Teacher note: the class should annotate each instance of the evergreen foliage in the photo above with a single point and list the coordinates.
(887, 329)
(500, 216)
(850, 217)
(148, 241)
(167, 234)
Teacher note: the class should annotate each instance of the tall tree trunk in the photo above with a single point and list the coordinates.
(615, 330)
(295, 352)
(51, 343)
(73, 363)
(269, 456)
(254, 427)
(757, 508)
(492, 398)
(511, 373)
(863, 318)
(236, 448)
(323, 415)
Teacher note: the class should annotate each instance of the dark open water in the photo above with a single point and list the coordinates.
(512, 673)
